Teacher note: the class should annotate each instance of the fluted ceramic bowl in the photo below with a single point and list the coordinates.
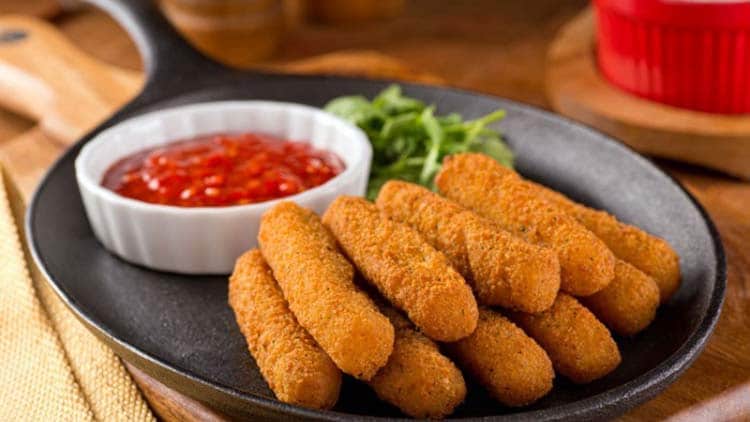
(207, 240)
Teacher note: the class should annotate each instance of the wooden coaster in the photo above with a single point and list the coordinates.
(577, 90)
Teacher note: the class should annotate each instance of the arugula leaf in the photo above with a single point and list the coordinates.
(409, 141)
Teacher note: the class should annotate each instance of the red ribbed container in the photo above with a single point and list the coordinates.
(692, 54)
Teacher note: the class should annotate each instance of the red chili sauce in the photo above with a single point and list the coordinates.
(221, 170)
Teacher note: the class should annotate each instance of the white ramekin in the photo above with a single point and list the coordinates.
(207, 240)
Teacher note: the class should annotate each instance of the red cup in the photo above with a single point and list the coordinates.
(693, 54)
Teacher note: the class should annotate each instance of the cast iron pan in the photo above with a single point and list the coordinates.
(180, 330)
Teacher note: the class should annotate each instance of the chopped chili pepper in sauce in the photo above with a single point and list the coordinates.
(222, 170)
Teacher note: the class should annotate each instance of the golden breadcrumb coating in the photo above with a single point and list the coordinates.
(317, 282)
(293, 365)
(507, 362)
(418, 379)
(479, 183)
(628, 304)
(409, 272)
(503, 269)
(648, 253)
(580, 347)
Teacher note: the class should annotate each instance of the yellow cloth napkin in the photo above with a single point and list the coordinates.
(51, 367)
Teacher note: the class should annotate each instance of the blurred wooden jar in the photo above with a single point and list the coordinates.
(235, 32)
(353, 11)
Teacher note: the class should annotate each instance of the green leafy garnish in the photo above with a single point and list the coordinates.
(409, 141)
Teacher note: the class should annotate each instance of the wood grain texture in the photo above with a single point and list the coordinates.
(50, 80)
(47, 78)
(362, 63)
(171, 405)
(577, 90)
(498, 48)
(732, 406)
(39, 8)
(100, 37)
(725, 363)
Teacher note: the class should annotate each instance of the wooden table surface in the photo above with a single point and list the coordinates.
(494, 47)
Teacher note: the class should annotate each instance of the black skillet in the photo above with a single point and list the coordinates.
(180, 330)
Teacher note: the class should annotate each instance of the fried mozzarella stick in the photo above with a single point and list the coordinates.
(504, 270)
(628, 304)
(646, 252)
(295, 367)
(317, 282)
(506, 361)
(409, 272)
(418, 379)
(580, 347)
(479, 183)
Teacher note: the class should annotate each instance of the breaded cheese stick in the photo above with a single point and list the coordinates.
(295, 367)
(648, 253)
(504, 270)
(479, 183)
(409, 272)
(628, 304)
(317, 282)
(506, 361)
(418, 379)
(580, 347)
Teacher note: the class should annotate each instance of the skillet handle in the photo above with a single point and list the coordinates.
(168, 58)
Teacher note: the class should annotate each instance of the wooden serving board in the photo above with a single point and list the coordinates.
(490, 46)
(45, 77)
(576, 89)
(53, 82)
(40, 8)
